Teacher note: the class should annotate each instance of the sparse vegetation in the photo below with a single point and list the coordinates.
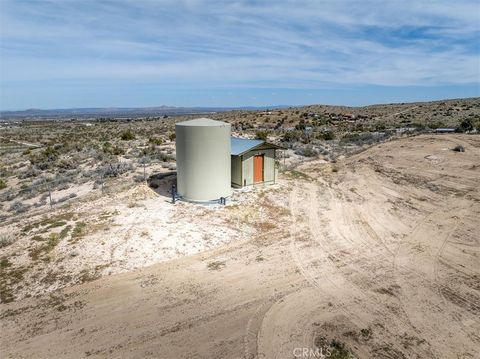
(79, 230)
(216, 265)
(332, 348)
(261, 135)
(6, 239)
(64, 245)
(155, 141)
(127, 135)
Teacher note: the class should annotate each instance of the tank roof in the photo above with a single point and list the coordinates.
(202, 122)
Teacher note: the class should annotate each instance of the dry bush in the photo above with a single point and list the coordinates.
(6, 239)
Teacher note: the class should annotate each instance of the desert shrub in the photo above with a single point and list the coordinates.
(127, 135)
(30, 173)
(97, 155)
(362, 138)
(291, 136)
(50, 153)
(418, 125)
(327, 136)
(155, 141)
(5, 263)
(118, 151)
(115, 169)
(66, 198)
(172, 137)
(19, 207)
(261, 135)
(138, 178)
(67, 164)
(3, 184)
(459, 148)
(6, 239)
(110, 149)
(307, 151)
(28, 191)
(79, 230)
(465, 126)
(64, 232)
(52, 242)
(300, 126)
(10, 195)
(162, 157)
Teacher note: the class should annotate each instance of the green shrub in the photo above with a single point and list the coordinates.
(3, 184)
(155, 141)
(79, 230)
(127, 135)
(328, 136)
(6, 240)
(261, 135)
(465, 126)
(172, 137)
(291, 136)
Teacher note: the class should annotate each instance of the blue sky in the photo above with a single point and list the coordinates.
(66, 53)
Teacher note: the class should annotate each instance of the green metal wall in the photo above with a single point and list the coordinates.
(236, 165)
(269, 175)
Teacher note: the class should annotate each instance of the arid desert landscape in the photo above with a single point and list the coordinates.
(367, 253)
(198, 179)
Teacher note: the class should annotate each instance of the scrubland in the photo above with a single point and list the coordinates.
(367, 246)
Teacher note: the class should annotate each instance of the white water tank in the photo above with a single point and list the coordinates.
(203, 159)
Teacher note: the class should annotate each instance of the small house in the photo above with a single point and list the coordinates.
(253, 162)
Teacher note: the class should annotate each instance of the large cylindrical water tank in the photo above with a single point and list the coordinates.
(203, 159)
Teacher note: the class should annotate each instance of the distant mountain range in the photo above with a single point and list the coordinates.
(127, 112)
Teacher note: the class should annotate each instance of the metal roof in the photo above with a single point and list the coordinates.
(241, 145)
(202, 122)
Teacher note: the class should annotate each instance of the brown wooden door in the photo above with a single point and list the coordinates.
(258, 168)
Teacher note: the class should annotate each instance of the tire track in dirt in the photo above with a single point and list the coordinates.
(339, 283)
(441, 287)
(370, 254)
(420, 258)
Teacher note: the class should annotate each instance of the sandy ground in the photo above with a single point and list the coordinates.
(379, 252)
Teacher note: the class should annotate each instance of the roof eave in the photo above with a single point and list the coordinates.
(270, 145)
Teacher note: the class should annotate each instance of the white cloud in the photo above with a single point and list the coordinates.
(284, 43)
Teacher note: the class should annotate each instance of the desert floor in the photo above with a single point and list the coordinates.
(377, 254)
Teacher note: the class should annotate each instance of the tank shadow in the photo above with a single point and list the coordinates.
(162, 183)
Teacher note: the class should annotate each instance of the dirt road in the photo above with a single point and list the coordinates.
(376, 255)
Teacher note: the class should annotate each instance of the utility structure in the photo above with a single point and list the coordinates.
(210, 162)
(203, 160)
(253, 162)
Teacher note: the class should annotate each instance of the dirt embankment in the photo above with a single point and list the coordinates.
(376, 255)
